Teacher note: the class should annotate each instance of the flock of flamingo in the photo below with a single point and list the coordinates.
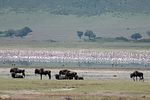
(78, 55)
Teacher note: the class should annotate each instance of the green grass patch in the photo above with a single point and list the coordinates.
(37, 45)
(77, 89)
(87, 86)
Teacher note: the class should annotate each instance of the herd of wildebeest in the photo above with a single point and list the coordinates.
(64, 74)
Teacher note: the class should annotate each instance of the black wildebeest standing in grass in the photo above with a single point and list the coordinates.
(43, 72)
(17, 70)
(137, 74)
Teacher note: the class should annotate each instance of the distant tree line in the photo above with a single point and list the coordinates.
(16, 33)
(92, 36)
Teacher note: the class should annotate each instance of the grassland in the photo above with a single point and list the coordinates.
(35, 89)
(21, 44)
(74, 90)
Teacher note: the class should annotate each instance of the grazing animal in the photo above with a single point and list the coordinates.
(60, 77)
(17, 70)
(78, 78)
(63, 72)
(43, 72)
(68, 74)
(137, 74)
(71, 75)
(57, 76)
(14, 75)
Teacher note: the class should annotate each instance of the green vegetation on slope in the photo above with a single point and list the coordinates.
(77, 7)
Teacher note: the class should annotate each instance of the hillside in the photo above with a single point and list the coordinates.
(77, 7)
(59, 20)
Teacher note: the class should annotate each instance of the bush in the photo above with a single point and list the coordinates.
(136, 36)
(17, 33)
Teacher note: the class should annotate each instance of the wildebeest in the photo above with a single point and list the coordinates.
(63, 72)
(60, 77)
(71, 75)
(15, 75)
(17, 70)
(137, 74)
(41, 71)
(78, 78)
(67, 73)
